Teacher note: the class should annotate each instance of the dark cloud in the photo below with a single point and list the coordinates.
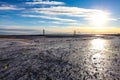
(19, 31)
(2, 29)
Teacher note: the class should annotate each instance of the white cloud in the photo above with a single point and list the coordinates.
(50, 22)
(70, 11)
(50, 17)
(113, 19)
(9, 7)
(37, 0)
(63, 10)
(60, 22)
(53, 12)
(45, 2)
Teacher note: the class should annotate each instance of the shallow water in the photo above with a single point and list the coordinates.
(89, 58)
(101, 57)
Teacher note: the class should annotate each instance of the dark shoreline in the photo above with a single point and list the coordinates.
(57, 36)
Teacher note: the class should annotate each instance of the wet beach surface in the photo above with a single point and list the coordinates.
(86, 58)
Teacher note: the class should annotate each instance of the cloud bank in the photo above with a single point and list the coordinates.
(9, 7)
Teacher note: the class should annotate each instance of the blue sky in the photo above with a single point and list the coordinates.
(56, 16)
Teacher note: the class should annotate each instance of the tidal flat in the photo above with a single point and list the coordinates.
(42, 58)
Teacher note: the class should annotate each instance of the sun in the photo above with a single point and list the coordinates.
(99, 19)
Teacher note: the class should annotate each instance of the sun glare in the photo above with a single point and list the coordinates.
(99, 19)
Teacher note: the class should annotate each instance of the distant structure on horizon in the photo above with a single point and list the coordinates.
(74, 33)
(43, 32)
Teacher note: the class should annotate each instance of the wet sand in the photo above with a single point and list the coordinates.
(86, 58)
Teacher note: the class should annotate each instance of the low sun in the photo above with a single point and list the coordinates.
(99, 19)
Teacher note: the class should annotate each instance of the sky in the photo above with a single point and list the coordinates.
(59, 16)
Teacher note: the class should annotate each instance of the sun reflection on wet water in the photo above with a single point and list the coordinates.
(98, 55)
(98, 44)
